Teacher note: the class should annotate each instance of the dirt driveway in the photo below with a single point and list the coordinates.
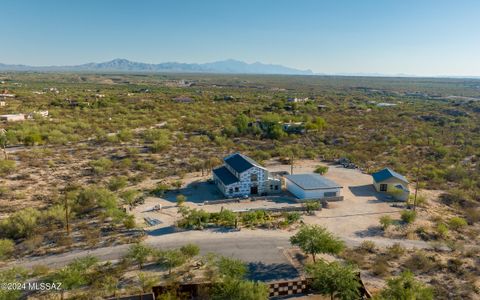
(357, 215)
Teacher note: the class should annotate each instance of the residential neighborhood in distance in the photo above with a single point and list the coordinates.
(240, 150)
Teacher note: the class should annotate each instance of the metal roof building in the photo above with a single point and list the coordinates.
(312, 186)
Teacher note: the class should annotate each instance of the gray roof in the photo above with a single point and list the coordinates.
(240, 162)
(225, 175)
(312, 181)
(386, 174)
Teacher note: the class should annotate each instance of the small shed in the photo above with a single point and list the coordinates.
(311, 186)
(390, 182)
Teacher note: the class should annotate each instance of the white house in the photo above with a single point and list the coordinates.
(311, 186)
(242, 176)
(390, 182)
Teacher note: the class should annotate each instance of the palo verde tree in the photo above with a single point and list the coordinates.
(315, 240)
(335, 279)
(139, 253)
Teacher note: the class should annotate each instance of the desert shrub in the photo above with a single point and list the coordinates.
(129, 222)
(101, 166)
(21, 224)
(457, 223)
(193, 218)
(227, 217)
(395, 250)
(160, 146)
(386, 221)
(421, 200)
(6, 167)
(454, 265)
(95, 197)
(125, 135)
(368, 246)
(457, 197)
(406, 286)
(380, 266)
(144, 166)
(311, 206)
(321, 170)
(442, 230)
(408, 216)
(181, 199)
(472, 215)
(118, 182)
(7, 247)
(129, 197)
(160, 189)
(292, 217)
(190, 250)
(419, 262)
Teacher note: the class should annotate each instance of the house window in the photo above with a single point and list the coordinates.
(236, 189)
(271, 187)
(330, 194)
(383, 187)
(253, 177)
(276, 187)
(230, 190)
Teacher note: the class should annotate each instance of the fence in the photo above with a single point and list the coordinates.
(275, 289)
(288, 288)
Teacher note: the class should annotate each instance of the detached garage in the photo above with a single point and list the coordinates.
(311, 186)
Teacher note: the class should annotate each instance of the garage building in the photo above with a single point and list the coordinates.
(311, 186)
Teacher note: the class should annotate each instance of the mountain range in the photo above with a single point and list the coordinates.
(229, 66)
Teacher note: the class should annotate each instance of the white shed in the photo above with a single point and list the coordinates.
(311, 186)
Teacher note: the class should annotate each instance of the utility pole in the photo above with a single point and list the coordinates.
(416, 187)
(66, 213)
(291, 163)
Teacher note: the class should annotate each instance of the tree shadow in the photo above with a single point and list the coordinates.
(371, 231)
(270, 272)
(162, 231)
(196, 192)
(369, 191)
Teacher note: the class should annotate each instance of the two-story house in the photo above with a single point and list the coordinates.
(242, 176)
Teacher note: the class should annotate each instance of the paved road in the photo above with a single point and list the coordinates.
(250, 246)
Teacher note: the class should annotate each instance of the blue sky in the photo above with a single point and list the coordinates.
(422, 37)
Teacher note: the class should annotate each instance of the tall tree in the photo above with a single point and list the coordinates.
(316, 239)
(334, 279)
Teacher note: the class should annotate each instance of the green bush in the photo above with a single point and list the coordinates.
(408, 216)
(101, 166)
(21, 224)
(442, 230)
(321, 170)
(7, 247)
(457, 223)
(368, 246)
(386, 221)
(6, 167)
(395, 251)
(118, 182)
(311, 206)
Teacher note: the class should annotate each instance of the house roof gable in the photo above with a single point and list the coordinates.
(387, 173)
(225, 175)
(240, 162)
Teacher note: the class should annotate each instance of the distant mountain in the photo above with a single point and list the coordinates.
(229, 66)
